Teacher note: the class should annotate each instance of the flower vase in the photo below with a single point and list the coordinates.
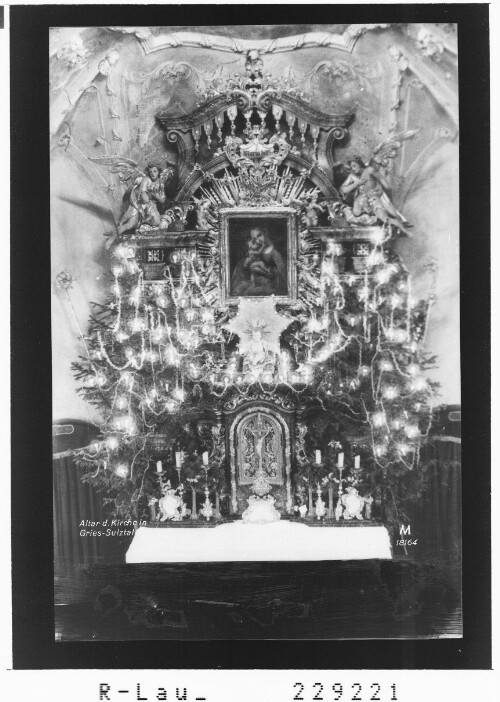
(194, 515)
(330, 513)
(310, 512)
(152, 510)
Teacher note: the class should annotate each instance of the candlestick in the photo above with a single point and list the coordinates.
(205, 458)
(318, 457)
(339, 509)
(178, 459)
(357, 461)
(159, 468)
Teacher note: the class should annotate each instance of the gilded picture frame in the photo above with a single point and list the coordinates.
(258, 253)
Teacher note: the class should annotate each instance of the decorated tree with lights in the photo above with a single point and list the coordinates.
(164, 356)
(362, 353)
(142, 369)
(159, 358)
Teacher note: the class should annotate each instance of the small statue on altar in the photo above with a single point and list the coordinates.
(320, 507)
(171, 505)
(353, 504)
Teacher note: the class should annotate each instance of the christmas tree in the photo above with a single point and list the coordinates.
(159, 361)
(164, 356)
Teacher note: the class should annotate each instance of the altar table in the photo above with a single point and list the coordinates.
(278, 541)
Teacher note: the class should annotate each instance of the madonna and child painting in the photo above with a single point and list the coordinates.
(258, 257)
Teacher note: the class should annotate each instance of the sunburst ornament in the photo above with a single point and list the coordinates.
(258, 316)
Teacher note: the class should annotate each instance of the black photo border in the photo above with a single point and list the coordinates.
(32, 537)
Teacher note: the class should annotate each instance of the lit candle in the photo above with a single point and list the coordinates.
(205, 458)
(178, 459)
(159, 468)
(318, 456)
(340, 463)
(357, 461)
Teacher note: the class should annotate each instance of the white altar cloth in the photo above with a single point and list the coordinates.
(278, 541)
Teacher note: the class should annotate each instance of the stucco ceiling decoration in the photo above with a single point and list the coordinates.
(170, 40)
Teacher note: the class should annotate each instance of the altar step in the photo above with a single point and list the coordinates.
(368, 599)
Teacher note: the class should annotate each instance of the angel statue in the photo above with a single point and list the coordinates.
(145, 193)
(366, 190)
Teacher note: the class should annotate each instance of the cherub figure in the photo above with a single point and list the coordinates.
(203, 215)
(144, 195)
(312, 210)
(366, 190)
(254, 67)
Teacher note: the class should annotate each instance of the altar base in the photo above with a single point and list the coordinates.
(279, 541)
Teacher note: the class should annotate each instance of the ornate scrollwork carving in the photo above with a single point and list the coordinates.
(300, 443)
(245, 101)
(168, 39)
(220, 162)
(282, 397)
(176, 216)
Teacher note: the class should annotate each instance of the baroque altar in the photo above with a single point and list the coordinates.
(261, 359)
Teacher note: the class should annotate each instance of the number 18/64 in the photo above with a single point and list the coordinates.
(350, 693)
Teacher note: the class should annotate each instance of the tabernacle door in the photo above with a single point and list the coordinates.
(259, 447)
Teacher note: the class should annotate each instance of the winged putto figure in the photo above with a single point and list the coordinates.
(366, 191)
(145, 193)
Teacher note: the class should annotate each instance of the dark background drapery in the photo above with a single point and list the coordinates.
(436, 519)
(74, 501)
